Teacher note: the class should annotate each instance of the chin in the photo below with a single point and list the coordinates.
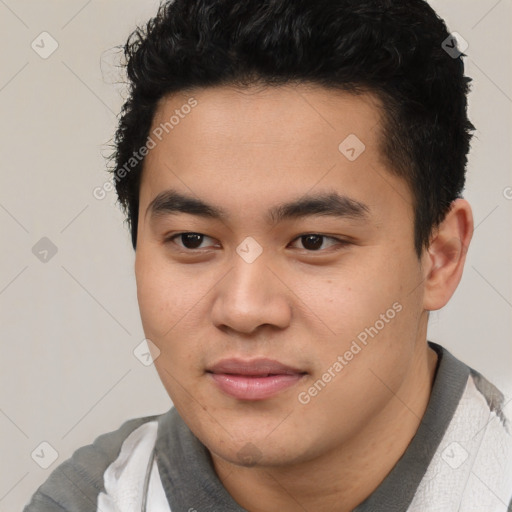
(246, 450)
(247, 454)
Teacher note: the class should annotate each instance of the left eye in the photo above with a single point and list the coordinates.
(314, 242)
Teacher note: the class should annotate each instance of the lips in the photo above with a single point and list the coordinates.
(255, 379)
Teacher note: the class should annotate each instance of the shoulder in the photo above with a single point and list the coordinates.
(472, 466)
(457, 384)
(77, 482)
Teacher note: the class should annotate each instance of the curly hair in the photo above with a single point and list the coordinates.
(393, 49)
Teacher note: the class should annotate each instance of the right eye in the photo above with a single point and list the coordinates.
(189, 240)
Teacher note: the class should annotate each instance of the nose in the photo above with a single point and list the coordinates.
(251, 296)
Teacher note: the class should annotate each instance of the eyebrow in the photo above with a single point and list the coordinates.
(332, 204)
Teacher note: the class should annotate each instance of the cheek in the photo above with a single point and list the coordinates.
(345, 299)
(163, 294)
(154, 303)
(165, 310)
(173, 304)
(368, 299)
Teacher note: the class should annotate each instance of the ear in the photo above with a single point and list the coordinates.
(443, 261)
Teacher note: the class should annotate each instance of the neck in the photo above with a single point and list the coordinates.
(344, 477)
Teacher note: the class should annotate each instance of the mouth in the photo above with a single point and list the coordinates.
(256, 379)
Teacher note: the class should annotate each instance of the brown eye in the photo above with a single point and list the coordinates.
(191, 240)
(188, 240)
(314, 241)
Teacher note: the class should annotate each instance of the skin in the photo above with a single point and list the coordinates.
(246, 151)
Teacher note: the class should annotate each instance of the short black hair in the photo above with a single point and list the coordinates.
(394, 49)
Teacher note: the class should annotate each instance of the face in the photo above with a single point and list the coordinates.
(276, 270)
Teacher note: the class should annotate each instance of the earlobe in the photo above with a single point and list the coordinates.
(446, 255)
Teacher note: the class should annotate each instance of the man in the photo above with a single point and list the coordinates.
(292, 174)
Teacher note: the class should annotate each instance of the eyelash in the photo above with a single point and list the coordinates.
(339, 241)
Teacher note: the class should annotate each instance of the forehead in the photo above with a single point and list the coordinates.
(263, 145)
(271, 115)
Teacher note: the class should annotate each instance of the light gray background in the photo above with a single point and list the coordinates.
(70, 325)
